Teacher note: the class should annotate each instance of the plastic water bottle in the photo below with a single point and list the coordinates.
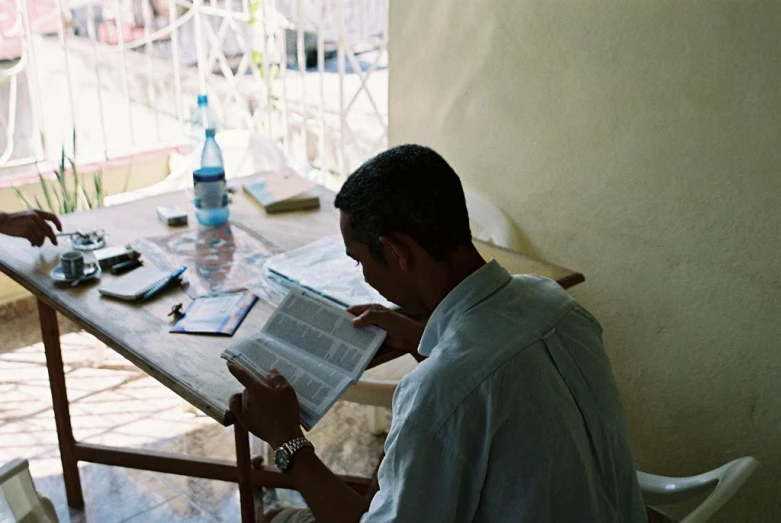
(202, 119)
(210, 195)
(211, 155)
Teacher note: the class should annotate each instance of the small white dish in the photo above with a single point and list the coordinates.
(91, 270)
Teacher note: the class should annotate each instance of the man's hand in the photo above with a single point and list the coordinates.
(31, 225)
(268, 407)
(403, 333)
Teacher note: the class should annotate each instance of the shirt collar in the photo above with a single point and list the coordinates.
(472, 290)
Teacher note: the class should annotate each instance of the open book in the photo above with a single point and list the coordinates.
(314, 345)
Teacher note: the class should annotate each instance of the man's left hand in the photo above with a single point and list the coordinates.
(268, 407)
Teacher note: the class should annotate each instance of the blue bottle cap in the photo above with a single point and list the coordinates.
(209, 133)
(209, 174)
(203, 99)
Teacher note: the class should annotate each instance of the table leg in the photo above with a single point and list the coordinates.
(50, 332)
(244, 465)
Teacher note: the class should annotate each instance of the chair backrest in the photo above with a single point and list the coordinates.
(24, 501)
(489, 223)
(723, 483)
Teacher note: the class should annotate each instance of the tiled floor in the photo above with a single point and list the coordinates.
(117, 404)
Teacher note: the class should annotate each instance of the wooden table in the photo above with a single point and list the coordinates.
(189, 365)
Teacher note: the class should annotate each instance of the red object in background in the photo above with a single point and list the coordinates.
(107, 33)
(43, 20)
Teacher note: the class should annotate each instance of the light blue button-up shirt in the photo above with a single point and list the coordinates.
(515, 416)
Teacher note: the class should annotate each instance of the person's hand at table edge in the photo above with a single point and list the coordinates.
(268, 407)
(404, 333)
(31, 225)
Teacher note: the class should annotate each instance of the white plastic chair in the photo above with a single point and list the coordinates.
(377, 385)
(27, 504)
(724, 482)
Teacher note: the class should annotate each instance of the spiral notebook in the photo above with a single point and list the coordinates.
(140, 284)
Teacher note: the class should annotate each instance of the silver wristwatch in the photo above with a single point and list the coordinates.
(283, 457)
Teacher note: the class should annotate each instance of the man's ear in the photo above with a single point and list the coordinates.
(398, 245)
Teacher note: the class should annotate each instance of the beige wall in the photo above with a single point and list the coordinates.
(638, 142)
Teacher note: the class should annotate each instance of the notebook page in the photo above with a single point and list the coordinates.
(133, 285)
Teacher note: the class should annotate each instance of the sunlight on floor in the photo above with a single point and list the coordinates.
(118, 404)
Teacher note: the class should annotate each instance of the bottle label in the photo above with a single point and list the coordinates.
(210, 195)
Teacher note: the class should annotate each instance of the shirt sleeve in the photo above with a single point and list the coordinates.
(424, 477)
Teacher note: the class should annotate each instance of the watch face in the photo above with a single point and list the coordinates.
(282, 459)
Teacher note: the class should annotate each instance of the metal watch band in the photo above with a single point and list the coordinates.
(294, 445)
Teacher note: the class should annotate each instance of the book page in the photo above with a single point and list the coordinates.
(317, 386)
(325, 332)
(323, 268)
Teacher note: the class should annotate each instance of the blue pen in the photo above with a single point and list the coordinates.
(163, 284)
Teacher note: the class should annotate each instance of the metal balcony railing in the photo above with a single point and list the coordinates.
(309, 74)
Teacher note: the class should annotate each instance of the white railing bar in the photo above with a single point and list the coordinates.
(135, 149)
(15, 69)
(199, 50)
(301, 59)
(90, 158)
(175, 64)
(241, 70)
(364, 78)
(384, 50)
(156, 35)
(386, 24)
(14, 29)
(213, 50)
(341, 161)
(223, 13)
(19, 162)
(145, 12)
(362, 19)
(35, 84)
(10, 124)
(64, 44)
(321, 77)
(93, 36)
(291, 110)
(216, 56)
(283, 75)
(125, 81)
(247, 65)
(267, 69)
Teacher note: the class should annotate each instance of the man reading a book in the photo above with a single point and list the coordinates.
(514, 415)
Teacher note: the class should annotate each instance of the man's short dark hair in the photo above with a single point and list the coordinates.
(408, 189)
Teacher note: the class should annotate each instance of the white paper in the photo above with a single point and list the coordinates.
(324, 332)
(314, 346)
(323, 268)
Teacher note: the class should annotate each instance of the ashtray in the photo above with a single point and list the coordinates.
(87, 240)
